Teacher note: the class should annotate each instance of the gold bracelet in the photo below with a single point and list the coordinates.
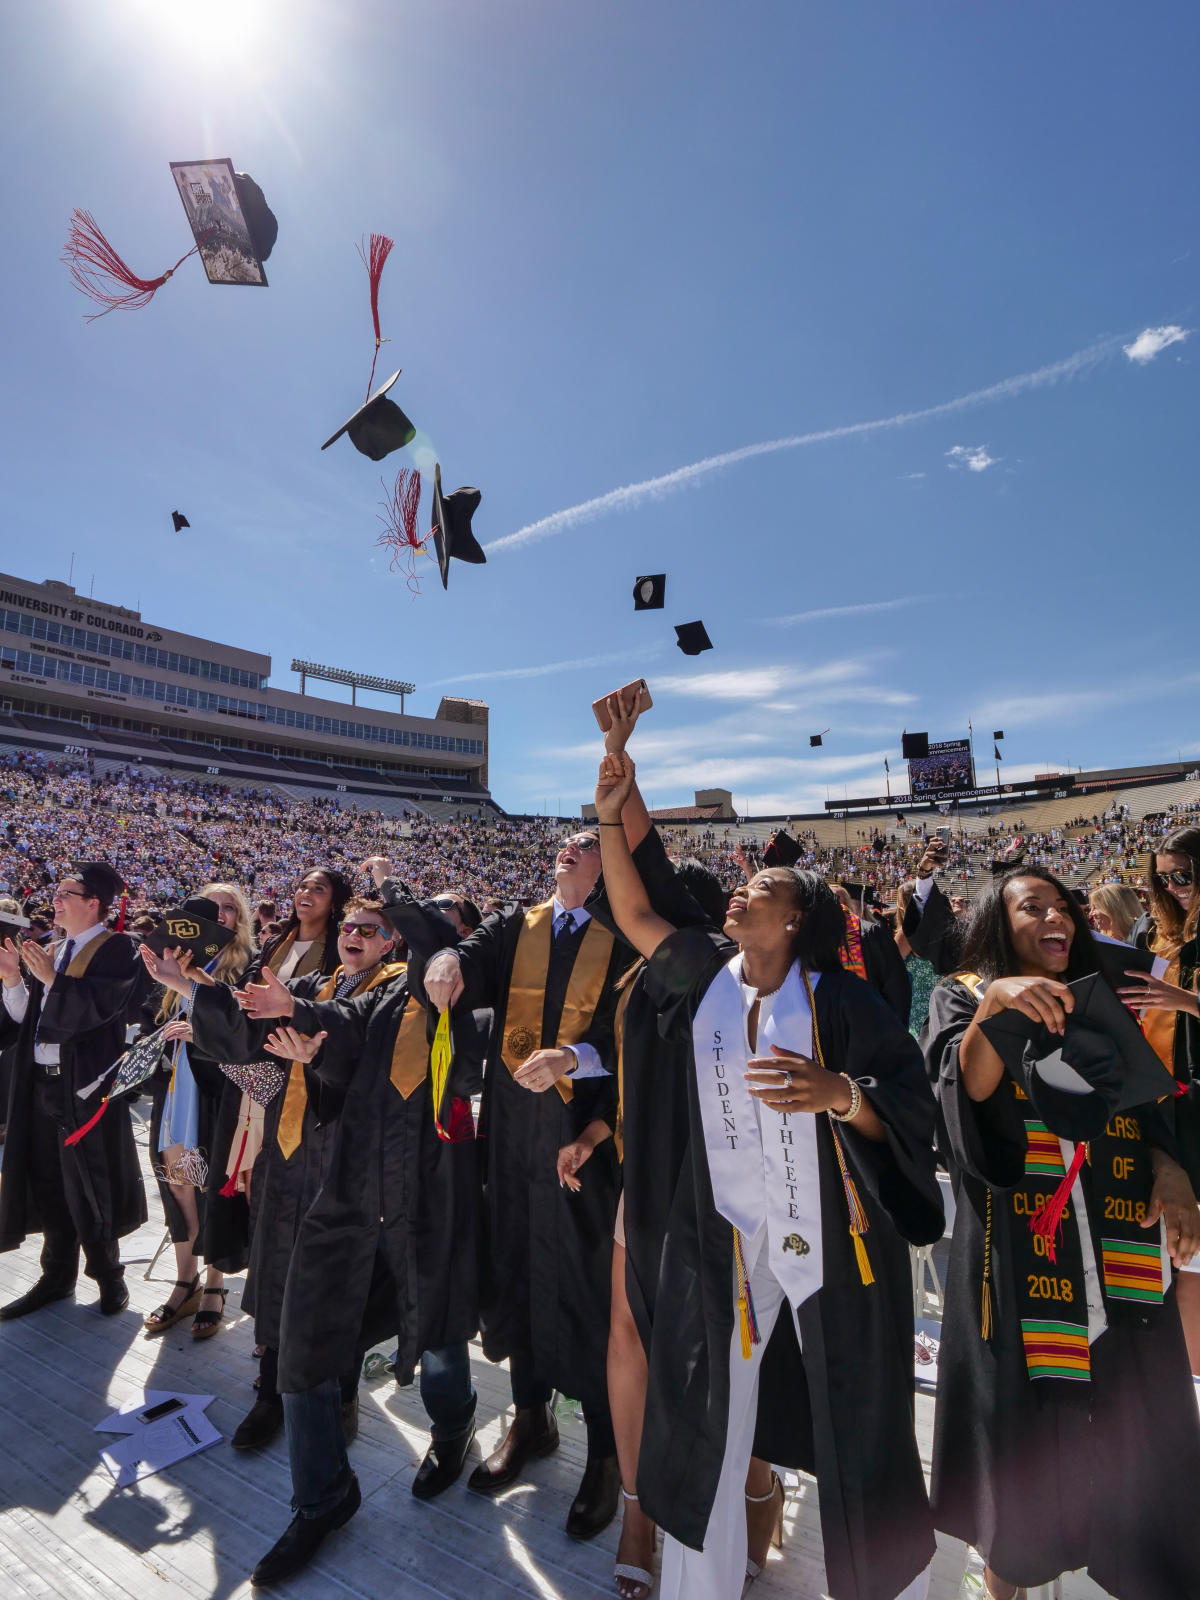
(856, 1100)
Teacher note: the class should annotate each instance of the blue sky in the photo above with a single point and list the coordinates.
(631, 238)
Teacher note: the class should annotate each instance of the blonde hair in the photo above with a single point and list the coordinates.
(236, 956)
(1119, 903)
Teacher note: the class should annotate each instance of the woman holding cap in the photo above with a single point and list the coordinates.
(186, 1098)
(1066, 1432)
(783, 1319)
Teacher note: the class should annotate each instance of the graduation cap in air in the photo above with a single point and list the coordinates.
(233, 226)
(378, 426)
(1100, 1064)
(105, 883)
(179, 521)
(650, 594)
(451, 532)
(692, 638)
(816, 740)
(192, 926)
(913, 746)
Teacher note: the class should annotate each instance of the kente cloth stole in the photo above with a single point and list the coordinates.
(1048, 1267)
(295, 1100)
(522, 1033)
(852, 947)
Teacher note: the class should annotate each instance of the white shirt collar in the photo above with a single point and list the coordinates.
(80, 939)
(580, 913)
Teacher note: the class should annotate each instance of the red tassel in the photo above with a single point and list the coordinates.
(96, 266)
(230, 1187)
(74, 1138)
(121, 913)
(1049, 1220)
(380, 250)
(400, 524)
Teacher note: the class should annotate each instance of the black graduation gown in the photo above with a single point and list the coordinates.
(282, 1187)
(389, 1245)
(885, 966)
(86, 1017)
(844, 1410)
(1040, 1482)
(935, 933)
(546, 1281)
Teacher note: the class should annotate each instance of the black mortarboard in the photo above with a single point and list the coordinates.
(1009, 864)
(692, 638)
(451, 532)
(781, 850)
(179, 520)
(1102, 1043)
(650, 594)
(378, 426)
(914, 745)
(815, 740)
(11, 922)
(998, 734)
(192, 926)
(99, 879)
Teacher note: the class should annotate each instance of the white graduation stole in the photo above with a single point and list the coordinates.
(769, 1173)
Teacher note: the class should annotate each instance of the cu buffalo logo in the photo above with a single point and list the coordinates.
(182, 928)
(796, 1243)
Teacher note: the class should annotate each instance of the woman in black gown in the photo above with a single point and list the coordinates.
(1066, 1433)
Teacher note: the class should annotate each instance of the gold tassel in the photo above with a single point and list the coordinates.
(985, 1315)
(864, 1262)
(744, 1325)
(985, 1318)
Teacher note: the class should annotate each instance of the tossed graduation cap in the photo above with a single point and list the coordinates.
(451, 532)
(692, 638)
(914, 745)
(781, 850)
(816, 740)
(650, 594)
(192, 926)
(998, 734)
(1100, 1064)
(378, 426)
(99, 879)
(179, 521)
(233, 226)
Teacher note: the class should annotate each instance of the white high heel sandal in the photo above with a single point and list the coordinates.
(638, 1576)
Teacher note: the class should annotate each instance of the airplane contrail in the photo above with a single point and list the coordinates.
(632, 495)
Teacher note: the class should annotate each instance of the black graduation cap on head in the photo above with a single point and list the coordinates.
(179, 520)
(692, 638)
(378, 427)
(1009, 864)
(451, 532)
(99, 879)
(650, 594)
(193, 926)
(1102, 1045)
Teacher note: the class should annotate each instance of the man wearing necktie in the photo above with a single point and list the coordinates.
(548, 974)
(66, 1010)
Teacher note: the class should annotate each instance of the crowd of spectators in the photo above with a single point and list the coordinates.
(166, 835)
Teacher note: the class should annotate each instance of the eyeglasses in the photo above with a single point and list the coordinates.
(78, 894)
(586, 841)
(365, 930)
(1180, 878)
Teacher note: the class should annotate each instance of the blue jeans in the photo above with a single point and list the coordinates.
(321, 1474)
(447, 1392)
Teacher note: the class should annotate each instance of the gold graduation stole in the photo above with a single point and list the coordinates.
(619, 1031)
(522, 1033)
(410, 1052)
(310, 961)
(81, 962)
(295, 1099)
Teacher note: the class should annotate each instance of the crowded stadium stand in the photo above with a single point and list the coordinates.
(81, 676)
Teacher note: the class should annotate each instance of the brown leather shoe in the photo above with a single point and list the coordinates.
(533, 1433)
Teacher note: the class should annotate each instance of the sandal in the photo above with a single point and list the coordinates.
(206, 1323)
(753, 1568)
(634, 1583)
(168, 1315)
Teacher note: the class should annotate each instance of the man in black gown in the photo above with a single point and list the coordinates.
(66, 1009)
(548, 974)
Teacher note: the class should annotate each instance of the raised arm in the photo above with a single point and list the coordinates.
(644, 929)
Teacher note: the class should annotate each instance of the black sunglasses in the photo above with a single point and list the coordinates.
(1179, 877)
(586, 841)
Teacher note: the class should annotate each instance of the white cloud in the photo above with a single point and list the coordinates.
(846, 611)
(974, 457)
(907, 477)
(632, 495)
(1152, 342)
(542, 669)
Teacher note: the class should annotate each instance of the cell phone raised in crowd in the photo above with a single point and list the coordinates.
(600, 707)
